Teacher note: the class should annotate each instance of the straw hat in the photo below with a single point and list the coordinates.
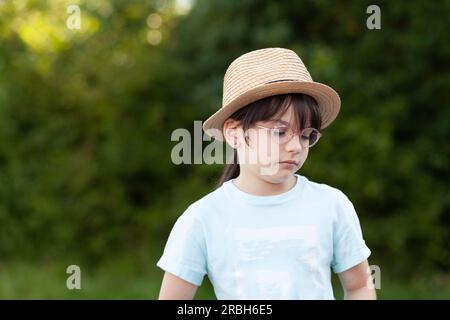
(266, 72)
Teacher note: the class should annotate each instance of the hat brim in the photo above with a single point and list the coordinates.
(327, 99)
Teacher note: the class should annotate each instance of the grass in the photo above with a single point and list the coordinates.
(125, 279)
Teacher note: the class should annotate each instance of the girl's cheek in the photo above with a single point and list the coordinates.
(269, 155)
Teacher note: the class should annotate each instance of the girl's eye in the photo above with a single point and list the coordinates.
(311, 136)
(279, 132)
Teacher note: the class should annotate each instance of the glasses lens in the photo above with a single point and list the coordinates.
(283, 135)
(312, 135)
(280, 134)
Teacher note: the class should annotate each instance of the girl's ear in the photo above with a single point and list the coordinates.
(231, 132)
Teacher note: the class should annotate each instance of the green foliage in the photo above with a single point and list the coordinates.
(86, 117)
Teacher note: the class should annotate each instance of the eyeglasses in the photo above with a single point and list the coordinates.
(282, 135)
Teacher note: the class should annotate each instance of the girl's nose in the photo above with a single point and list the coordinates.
(294, 145)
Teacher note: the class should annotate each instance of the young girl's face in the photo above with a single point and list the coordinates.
(269, 149)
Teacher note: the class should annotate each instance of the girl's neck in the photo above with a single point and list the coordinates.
(259, 187)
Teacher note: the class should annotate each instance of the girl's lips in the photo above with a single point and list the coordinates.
(289, 162)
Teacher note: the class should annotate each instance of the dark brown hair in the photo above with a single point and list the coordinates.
(271, 108)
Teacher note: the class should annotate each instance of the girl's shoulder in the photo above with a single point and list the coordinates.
(322, 190)
(206, 204)
(333, 199)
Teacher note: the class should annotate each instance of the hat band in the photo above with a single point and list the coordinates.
(280, 80)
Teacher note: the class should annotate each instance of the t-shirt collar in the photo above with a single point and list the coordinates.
(292, 193)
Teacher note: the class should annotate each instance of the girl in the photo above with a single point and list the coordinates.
(267, 232)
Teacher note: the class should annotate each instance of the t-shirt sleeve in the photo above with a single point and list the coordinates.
(349, 247)
(185, 252)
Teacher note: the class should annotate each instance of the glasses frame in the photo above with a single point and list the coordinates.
(293, 133)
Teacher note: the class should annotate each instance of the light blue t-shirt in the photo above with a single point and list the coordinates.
(266, 247)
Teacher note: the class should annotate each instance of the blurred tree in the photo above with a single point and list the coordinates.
(86, 117)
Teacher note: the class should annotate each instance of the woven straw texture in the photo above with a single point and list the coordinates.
(266, 72)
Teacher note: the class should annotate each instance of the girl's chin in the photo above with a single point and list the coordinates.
(279, 171)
